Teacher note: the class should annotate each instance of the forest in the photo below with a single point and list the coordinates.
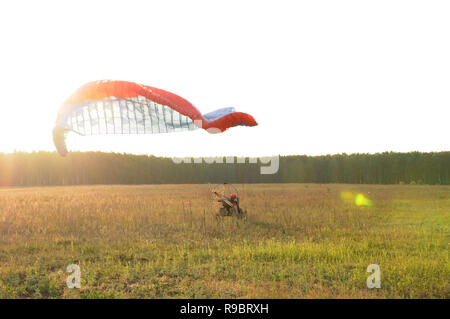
(90, 168)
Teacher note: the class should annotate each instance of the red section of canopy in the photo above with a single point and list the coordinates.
(99, 90)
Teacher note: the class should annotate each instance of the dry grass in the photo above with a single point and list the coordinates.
(300, 240)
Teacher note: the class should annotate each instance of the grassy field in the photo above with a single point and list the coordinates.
(299, 241)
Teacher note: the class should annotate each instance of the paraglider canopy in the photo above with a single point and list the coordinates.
(120, 107)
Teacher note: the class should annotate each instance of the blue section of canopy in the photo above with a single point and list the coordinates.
(212, 116)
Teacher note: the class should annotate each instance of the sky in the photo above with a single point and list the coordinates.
(320, 77)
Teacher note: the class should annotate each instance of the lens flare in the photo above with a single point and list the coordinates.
(361, 200)
(358, 199)
(347, 197)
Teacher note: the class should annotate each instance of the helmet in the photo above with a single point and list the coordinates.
(233, 196)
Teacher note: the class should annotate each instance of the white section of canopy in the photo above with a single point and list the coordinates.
(112, 115)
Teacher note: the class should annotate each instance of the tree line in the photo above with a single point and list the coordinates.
(89, 168)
